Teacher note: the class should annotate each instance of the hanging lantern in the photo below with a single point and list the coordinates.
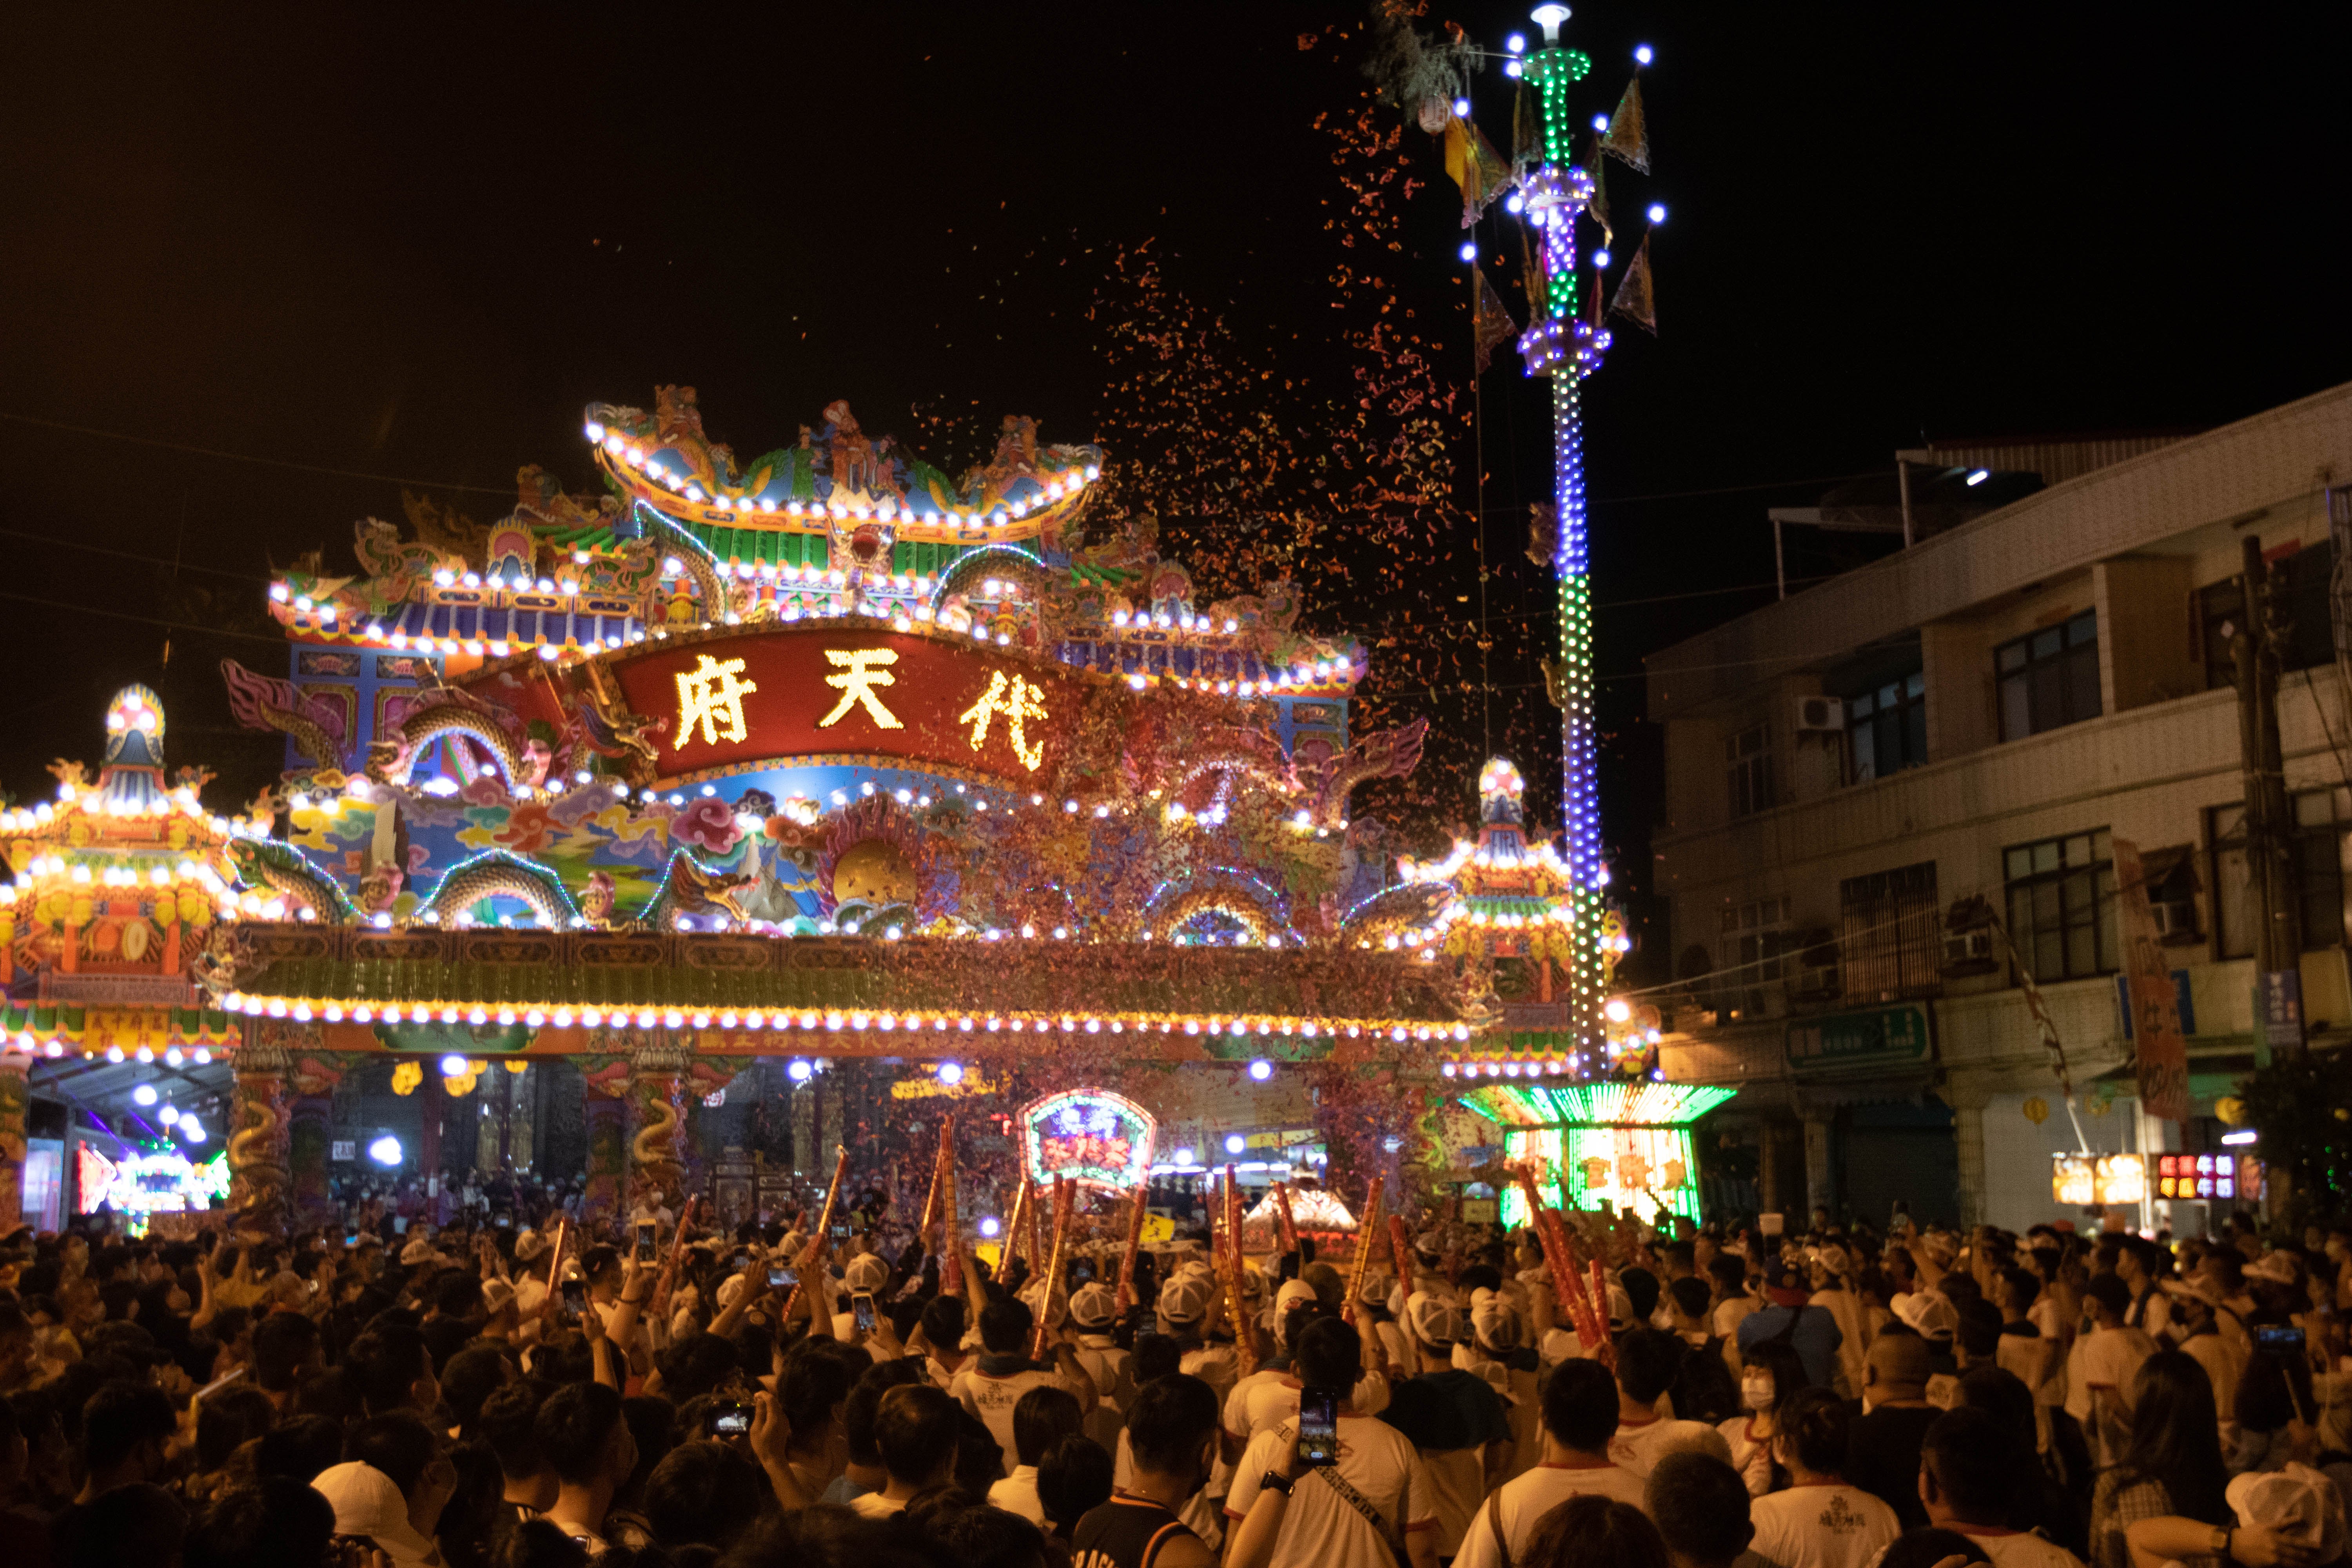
(2231, 1110)
(406, 1078)
(2037, 1109)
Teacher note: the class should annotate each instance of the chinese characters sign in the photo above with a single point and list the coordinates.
(835, 690)
(1091, 1135)
(2155, 1016)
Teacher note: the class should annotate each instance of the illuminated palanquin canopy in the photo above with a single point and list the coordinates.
(823, 752)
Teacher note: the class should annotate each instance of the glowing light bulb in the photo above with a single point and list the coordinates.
(1469, 250)
(1642, 54)
(1657, 213)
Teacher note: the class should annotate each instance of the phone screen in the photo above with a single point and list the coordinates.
(741, 1260)
(861, 1307)
(645, 1242)
(1082, 1272)
(506, 1222)
(2278, 1339)
(840, 1231)
(730, 1419)
(576, 1295)
(781, 1278)
(1318, 1426)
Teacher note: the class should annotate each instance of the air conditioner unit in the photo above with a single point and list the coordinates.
(1968, 947)
(2177, 918)
(1819, 715)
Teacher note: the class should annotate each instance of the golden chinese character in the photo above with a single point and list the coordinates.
(710, 695)
(1018, 702)
(857, 681)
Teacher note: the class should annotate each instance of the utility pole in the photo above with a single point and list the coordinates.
(2270, 817)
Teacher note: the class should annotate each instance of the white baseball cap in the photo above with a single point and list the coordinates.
(1094, 1303)
(1436, 1319)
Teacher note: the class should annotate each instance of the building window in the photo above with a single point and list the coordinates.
(1887, 729)
(1747, 760)
(1757, 948)
(2049, 680)
(2299, 587)
(2323, 839)
(2062, 905)
(1890, 941)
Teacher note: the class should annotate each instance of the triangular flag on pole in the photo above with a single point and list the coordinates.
(1473, 164)
(1598, 206)
(1629, 134)
(1533, 284)
(1527, 129)
(1493, 325)
(1634, 300)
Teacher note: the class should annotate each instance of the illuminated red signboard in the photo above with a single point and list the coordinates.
(847, 690)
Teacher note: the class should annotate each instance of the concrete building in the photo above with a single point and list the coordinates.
(1980, 715)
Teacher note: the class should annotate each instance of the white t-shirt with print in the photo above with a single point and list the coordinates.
(1832, 1526)
(1320, 1526)
(1525, 1501)
(993, 1399)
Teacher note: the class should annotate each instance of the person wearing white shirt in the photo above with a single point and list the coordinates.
(1968, 1468)
(1043, 1417)
(1648, 1360)
(1579, 1418)
(1092, 1310)
(1819, 1521)
(1373, 1505)
(916, 1429)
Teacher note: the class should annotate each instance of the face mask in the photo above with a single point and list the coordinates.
(1756, 1393)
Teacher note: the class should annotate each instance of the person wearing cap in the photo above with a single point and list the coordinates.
(1456, 1420)
(2099, 1373)
(1093, 1316)
(1377, 1303)
(865, 1275)
(1809, 1331)
(1969, 1465)
(377, 1507)
(1832, 1269)
(1188, 1301)
(1503, 1352)
(1375, 1505)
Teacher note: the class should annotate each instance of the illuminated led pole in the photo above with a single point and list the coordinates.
(1558, 344)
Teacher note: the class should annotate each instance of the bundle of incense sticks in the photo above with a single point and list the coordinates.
(1366, 1228)
(1245, 1331)
(1034, 1226)
(939, 1165)
(950, 1232)
(1064, 1200)
(1400, 1252)
(816, 1238)
(1126, 1297)
(1011, 1248)
(1567, 1285)
(1289, 1221)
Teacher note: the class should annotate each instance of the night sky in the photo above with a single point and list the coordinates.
(275, 265)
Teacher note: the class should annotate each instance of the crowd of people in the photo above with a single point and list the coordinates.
(501, 1398)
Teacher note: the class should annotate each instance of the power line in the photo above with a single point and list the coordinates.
(143, 620)
(135, 555)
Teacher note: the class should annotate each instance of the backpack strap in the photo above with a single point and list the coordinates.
(1495, 1524)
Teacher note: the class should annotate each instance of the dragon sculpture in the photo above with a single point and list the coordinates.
(608, 726)
(689, 887)
(259, 703)
(1387, 754)
(256, 1155)
(497, 874)
(287, 870)
(654, 1149)
(448, 713)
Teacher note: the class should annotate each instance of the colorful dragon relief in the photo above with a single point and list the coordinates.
(12, 1109)
(260, 1153)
